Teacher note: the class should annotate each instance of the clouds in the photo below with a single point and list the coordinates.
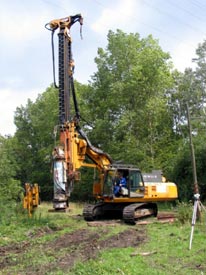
(117, 16)
(25, 51)
(10, 99)
(20, 28)
(182, 48)
(21, 54)
(20, 22)
(182, 55)
(175, 26)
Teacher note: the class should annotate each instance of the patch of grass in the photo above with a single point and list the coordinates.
(29, 244)
(113, 261)
(169, 248)
(23, 228)
(172, 245)
(184, 211)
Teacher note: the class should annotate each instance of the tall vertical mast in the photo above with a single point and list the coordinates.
(66, 64)
(63, 155)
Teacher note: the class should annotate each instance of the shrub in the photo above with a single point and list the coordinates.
(184, 212)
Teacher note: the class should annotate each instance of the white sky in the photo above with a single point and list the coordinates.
(25, 50)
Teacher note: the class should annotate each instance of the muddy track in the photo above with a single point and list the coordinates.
(67, 249)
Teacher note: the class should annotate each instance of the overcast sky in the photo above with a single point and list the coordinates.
(25, 49)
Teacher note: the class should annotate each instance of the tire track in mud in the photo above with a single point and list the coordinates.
(69, 248)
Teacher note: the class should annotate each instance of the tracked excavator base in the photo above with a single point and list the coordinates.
(129, 213)
(133, 212)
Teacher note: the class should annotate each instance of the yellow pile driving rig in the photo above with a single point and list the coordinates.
(133, 200)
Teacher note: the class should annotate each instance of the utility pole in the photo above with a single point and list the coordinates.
(194, 171)
(196, 209)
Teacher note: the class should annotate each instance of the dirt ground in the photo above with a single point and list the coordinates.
(67, 249)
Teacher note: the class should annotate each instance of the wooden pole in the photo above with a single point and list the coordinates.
(194, 170)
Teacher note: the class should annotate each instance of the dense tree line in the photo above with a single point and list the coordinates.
(10, 188)
(134, 108)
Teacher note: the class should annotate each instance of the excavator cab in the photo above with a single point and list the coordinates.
(134, 186)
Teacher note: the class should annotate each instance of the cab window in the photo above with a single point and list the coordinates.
(135, 181)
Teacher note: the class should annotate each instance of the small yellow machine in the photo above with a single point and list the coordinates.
(31, 198)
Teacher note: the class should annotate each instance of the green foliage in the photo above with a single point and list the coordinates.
(184, 213)
(190, 89)
(127, 90)
(134, 108)
(10, 188)
(83, 189)
(182, 172)
(35, 140)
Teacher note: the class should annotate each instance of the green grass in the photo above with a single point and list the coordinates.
(170, 254)
(167, 243)
(22, 228)
(169, 248)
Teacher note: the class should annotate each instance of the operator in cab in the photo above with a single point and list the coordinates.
(120, 184)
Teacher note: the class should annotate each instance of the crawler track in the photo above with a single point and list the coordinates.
(135, 211)
(93, 212)
(129, 213)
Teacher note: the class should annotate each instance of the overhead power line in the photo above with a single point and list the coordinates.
(174, 17)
